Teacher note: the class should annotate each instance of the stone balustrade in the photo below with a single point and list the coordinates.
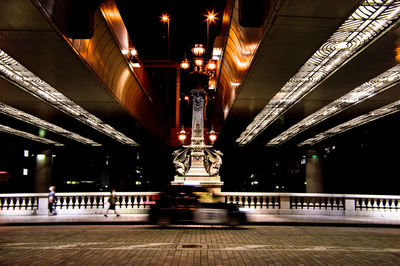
(259, 203)
(74, 203)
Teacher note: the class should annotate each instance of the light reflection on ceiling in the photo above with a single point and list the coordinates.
(371, 19)
(359, 94)
(27, 135)
(18, 114)
(31, 83)
(358, 121)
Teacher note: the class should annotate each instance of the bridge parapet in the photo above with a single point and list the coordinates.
(257, 202)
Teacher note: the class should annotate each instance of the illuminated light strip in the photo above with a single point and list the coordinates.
(358, 121)
(18, 114)
(365, 25)
(27, 135)
(359, 94)
(31, 83)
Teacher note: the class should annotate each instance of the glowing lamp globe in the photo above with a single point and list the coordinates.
(212, 136)
(182, 135)
(198, 50)
(211, 65)
(185, 64)
(198, 62)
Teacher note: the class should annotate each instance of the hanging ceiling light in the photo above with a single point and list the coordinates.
(31, 83)
(18, 114)
(368, 89)
(358, 121)
(365, 25)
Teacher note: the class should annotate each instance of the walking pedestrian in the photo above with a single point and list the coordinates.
(112, 202)
(52, 201)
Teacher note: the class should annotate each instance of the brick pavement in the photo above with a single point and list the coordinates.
(198, 245)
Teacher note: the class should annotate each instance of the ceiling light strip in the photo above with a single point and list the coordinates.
(27, 135)
(359, 94)
(358, 121)
(18, 114)
(31, 83)
(367, 23)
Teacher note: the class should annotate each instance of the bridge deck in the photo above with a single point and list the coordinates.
(198, 245)
(252, 219)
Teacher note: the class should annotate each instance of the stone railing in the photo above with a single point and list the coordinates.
(75, 203)
(316, 203)
(259, 203)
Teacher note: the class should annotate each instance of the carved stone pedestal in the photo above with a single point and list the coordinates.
(197, 164)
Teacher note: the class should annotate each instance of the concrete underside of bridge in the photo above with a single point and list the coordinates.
(256, 64)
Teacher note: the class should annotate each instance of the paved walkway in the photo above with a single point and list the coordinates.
(198, 245)
(252, 219)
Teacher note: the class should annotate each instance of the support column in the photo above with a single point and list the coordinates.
(42, 179)
(314, 173)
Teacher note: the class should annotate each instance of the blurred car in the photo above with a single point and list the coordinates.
(195, 205)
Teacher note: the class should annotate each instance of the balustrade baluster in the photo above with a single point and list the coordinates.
(323, 203)
(80, 202)
(135, 202)
(147, 199)
(100, 202)
(381, 204)
(374, 205)
(17, 204)
(23, 203)
(75, 202)
(123, 202)
(252, 202)
(336, 201)
(129, 202)
(67, 202)
(239, 201)
(141, 202)
(12, 203)
(84, 202)
(29, 204)
(6, 204)
(265, 202)
(258, 203)
(341, 203)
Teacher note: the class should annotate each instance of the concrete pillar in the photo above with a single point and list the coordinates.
(42, 178)
(314, 173)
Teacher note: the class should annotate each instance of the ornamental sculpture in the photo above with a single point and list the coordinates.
(198, 163)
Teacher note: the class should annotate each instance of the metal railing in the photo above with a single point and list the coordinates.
(263, 203)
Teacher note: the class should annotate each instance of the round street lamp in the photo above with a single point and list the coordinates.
(212, 136)
(182, 136)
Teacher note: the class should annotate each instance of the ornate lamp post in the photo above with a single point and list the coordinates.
(198, 163)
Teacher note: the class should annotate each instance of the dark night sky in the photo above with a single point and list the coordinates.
(187, 26)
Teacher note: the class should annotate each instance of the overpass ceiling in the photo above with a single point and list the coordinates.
(31, 40)
(298, 31)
